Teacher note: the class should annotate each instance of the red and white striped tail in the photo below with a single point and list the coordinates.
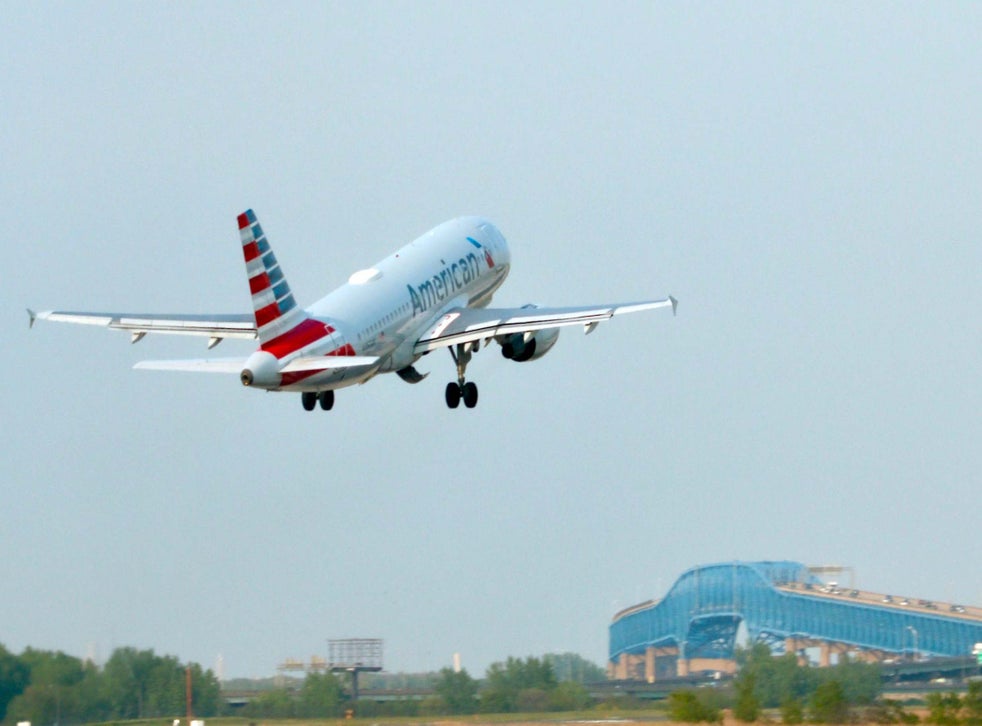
(283, 328)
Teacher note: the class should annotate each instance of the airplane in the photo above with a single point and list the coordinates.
(431, 294)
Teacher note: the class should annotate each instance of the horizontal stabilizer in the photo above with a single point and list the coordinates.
(235, 365)
(198, 365)
(329, 362)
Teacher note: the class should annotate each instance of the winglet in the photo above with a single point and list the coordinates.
(675, 305)
(32, 317)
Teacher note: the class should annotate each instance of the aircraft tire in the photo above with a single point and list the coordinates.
(326, 399)
(309, 400)
(453, 395)
(470, 394)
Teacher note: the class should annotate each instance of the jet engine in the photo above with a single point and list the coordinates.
(522, 347)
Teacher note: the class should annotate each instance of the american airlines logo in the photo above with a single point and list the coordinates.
(450, 280)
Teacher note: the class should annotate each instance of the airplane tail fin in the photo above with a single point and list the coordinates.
(278, 319)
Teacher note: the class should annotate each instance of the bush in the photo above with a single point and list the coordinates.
(569, 696)
(829, 704)
(889, 712)
(622, 703)
(433, 706)
(943, 709)
(972, 703)
(532, 700)
(688, 707)
(792, 712)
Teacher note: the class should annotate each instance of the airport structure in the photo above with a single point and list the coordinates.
(788, 607)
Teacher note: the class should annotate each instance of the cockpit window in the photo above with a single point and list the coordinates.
(492, 235)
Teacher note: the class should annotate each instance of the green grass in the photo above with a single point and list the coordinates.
(653, 713)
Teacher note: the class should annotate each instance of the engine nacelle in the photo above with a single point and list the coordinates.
(521, 347)
(261, 370)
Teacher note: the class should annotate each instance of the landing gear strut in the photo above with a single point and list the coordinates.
(462, 389)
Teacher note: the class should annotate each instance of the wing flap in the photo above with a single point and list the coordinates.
(463, 325)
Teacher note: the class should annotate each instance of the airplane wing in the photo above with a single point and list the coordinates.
(216, 327)
(466, 325)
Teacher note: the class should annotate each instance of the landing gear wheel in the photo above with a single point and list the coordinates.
(469, 394)
(309, 400)
(326, 399)
(453, 395)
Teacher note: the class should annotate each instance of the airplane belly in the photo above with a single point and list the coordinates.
(326, 380)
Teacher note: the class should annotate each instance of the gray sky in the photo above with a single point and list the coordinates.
(805, 178)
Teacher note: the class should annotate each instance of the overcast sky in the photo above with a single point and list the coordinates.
(805, 178)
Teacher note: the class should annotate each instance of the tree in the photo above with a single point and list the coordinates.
(569, 696)
(687, 707)
(141, 684)
(747, 706)
(504, 682)
(206, 692)
(861, 682)
(54, 693)
(792, 712)
(432, 706)
(127, 676)
(277, 703)
(458, 691)
(320, 696)
(782, 679)
(888, 712)
(573, 667)
(829, 704)
(943, 709)
(776, 680)
(972, 703)
(53, 687)
(14, 678)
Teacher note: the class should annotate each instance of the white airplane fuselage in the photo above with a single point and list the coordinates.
(382, 311)
(432, 293)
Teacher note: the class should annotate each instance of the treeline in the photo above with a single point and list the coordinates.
(514, 685)
(799, 692)
(824, 695)
(849, 692)
(52, 687)
(950, 709)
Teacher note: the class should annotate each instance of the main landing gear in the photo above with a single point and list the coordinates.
(457, 393)
(461, 389)
(309, 399)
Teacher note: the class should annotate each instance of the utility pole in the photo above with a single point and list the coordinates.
(187, 690)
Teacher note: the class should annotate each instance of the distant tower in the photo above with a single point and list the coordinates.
(220, 668)
(456, 662)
